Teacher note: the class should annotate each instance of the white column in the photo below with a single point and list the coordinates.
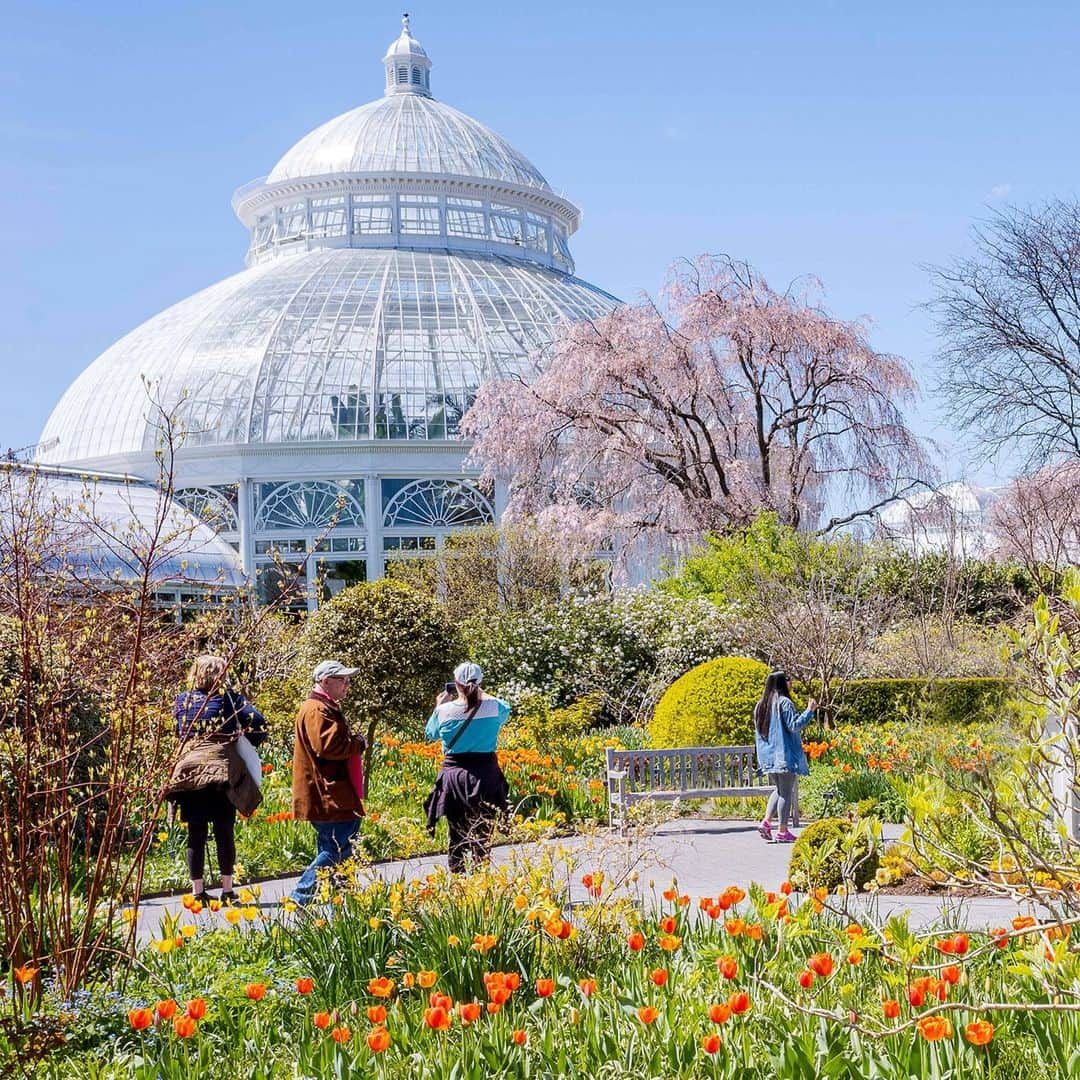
(373, 519)
(245, 513)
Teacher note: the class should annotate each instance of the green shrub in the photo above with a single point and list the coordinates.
(944, 701)
(537, 724)
(403, 644)
(711, 705)
(829, 853)
(869, 790)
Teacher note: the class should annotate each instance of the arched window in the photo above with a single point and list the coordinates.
(311, 504)
(214, 506)
(438, 504)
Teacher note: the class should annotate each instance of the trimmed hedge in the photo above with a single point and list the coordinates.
(711, 705)
(946, 701)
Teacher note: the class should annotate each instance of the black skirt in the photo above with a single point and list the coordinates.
(467, 784)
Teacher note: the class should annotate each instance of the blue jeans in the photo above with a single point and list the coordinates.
(333, 844)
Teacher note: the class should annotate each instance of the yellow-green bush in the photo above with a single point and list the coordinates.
(711, 705)
(828, 854)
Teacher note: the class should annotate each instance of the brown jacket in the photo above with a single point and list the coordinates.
(211, 760)
(321, 788)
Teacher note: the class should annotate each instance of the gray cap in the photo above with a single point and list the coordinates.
(325, 669)
(468, 673)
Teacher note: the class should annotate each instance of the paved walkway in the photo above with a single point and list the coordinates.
(703, 856)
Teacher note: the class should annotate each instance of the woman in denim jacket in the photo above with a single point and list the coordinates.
(780, 753)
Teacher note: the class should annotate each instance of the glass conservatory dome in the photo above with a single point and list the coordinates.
(399, 256)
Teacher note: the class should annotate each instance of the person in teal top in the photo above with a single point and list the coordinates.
(470, 790)
(780, 754)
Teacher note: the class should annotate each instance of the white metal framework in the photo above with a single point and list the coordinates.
(400, 255)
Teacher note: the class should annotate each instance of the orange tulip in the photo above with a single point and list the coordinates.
(321, 1020)
(668, 924)
(719, 1013)
(647, 1014)
(1000, 937)
(378, 1039)
(960, 944)
(381, 987)
(754, 932)
(426, 979)
(493, 1007)
(728, 967)
(659, 976)
(806, 979)
(305, 985)
(440, 1001)
(196, 1008)
(519, 1037)
(734, 927)
(854, 931)
(855, 957)
(891, 1009)
(376, 1014)
(739, 1002)
(587, 986)
(341, 1034)
(711, 1044)
(951, 974)
(785, 888)
(933, 1028)
(255, 991)
(979, 1033)
(141, 1019)
(469, 1011)
(545, 987)
(636, 941)
(184, 1027)
(166, 1009)
(1023, 922)
(670, 894)
(821, 964)
(25, 974)
(437, 1018)
(669, 942)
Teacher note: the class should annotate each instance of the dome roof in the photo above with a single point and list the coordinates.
(332, 345)
(407, 133)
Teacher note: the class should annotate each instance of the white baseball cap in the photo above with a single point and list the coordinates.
(468, 673)
(326, 669)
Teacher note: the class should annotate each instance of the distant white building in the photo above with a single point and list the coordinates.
(952, 518)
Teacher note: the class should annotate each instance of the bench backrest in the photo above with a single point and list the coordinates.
(687, 768)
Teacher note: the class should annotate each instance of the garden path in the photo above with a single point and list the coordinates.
(703, 855)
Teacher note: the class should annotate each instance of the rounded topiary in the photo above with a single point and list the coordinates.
(847, 862)
(402, 642)
(711, 705)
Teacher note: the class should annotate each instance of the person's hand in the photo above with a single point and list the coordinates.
(443, 697)
(812, 704)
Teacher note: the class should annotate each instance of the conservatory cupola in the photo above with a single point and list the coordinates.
(408, 69)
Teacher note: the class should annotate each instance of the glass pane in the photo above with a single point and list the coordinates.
(333, 575)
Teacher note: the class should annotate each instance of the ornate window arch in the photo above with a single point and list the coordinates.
(211, 505)
(309, 504)
(441, 504)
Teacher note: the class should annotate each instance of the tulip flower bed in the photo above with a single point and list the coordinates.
(498, 975)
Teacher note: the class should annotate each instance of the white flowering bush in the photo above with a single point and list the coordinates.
(626, 647)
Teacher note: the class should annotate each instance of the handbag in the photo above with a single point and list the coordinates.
(250, 757)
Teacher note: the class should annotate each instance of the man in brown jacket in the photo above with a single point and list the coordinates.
(322, 791)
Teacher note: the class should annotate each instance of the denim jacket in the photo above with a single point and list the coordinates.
(782, 751)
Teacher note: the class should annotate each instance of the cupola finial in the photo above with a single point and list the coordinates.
(408, 69)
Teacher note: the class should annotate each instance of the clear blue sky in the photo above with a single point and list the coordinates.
(845, 139)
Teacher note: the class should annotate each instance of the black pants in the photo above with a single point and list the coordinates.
(200, 809)
(470, 838)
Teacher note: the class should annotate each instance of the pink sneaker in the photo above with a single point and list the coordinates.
(786, 837)
(765, 829)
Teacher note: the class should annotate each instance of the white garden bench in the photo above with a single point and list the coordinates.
(685, 772)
